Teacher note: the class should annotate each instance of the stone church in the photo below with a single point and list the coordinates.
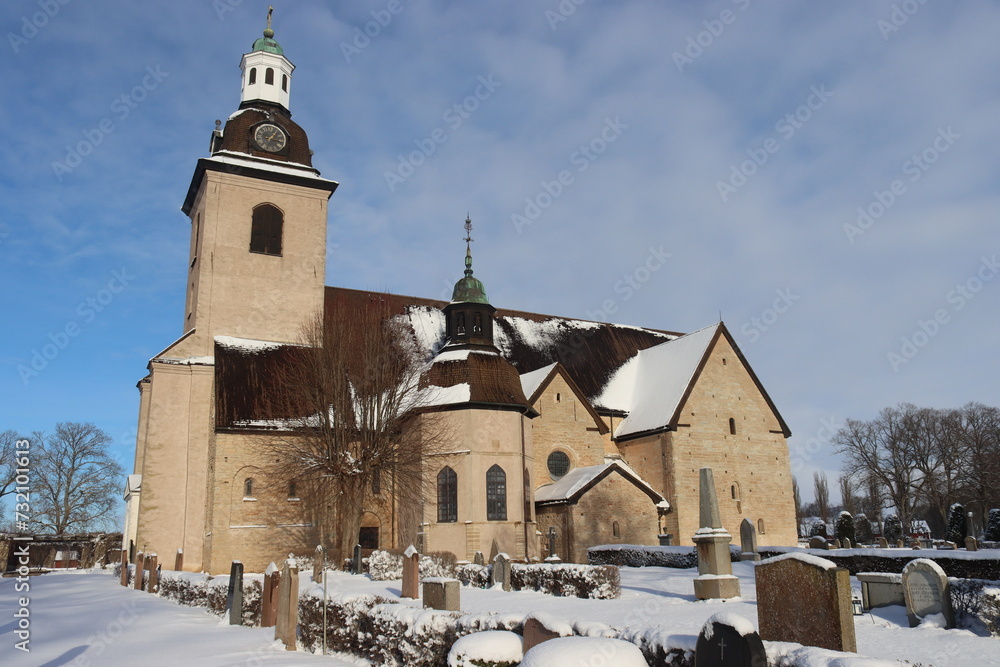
(591, 433)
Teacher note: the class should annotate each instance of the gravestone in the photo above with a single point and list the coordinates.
(442, 593)
(500, 573)
(836, 543)
(817, 614)
(847, 543)
(748, 541)
(541, 627)
(494, 549)
(124, 577)
(269, 596)
(140, 565)
(179, 560)
(234, 596)
(356, 565)
(478, 558)
(318, 564)
(715, 569)
(926, 590)
(154, 573)
(881, 589)
(818, 542)
(411, 574)
(883, 543)
(287, 619)
(971, 544)
(553, 557)
(728, 640)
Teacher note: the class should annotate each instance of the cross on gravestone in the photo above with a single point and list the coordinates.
(926, 592)
(500, 573)
(818, 614)
(411, 574)
(356, 565)
(727, 640)
(234, 596)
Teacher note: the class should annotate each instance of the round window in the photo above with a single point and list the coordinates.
(558, 463)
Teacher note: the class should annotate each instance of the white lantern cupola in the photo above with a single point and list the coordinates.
(267, 73)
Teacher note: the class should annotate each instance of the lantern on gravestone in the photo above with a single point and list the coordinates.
(856, 607)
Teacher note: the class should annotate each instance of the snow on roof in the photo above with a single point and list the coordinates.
(273, 166)
(189, 361)
(433, 395)
(531, 381)
(662, 374)
(428, 327)
(572, 482)
(540, 335)
(247, 344)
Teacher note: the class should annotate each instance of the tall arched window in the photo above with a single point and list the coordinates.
(284, 83)
(460, 324)
(732, 426)
(616, 530)
(496, 494)
(248, 487)
(447, 496)
(265, 230)
(477, 324)
(253, 75)
(269, 76)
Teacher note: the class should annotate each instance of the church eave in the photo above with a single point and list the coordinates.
(206, 164)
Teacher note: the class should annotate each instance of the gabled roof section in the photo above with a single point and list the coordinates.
(532, 382)
(488, 378)
(536, 382)
(578, 481)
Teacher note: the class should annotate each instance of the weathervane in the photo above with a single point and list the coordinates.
(468, 228)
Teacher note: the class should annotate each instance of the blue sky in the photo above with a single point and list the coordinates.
(823, 174)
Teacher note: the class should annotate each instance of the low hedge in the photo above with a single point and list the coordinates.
(881, 560)
(635, 555)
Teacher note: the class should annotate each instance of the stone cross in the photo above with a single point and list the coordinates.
(140, 564)
(357, 566)
(288, 604)
(442, 593)
(926, 591)
(269, 596)
(715, 570)
(818, 614)
(124, 578)
(234, 596)
(748, 541)
(411, 574)
(154, 573)
(179, 560)
(500, 573)
(552, 540)
(318, 564)
(721, 644)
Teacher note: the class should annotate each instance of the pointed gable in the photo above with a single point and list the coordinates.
(536, 382)
(578, 481)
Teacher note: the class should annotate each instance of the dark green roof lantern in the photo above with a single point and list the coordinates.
(469, 289)
(267, 43)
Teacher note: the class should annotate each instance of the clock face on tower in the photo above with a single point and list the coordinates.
(269, 137)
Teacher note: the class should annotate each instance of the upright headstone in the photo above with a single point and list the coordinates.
(818, 542)
(179, 560)
(541, 627)
(715, 570)
(925, 589)
(553, 557)
(900, 544)
(727, 640)
(154, 573)
(318, 564)
(883, 543)
(836, 543)
(269, 596)
(971, 544)
(442, 593)
(288, 604)
(234, 596)
(124, 577)
(494, 549)
(357, 567)
(818, 614)
(478, 558)
(500, 573)
(748, 541)
(140, 565)
(847, 543)
(411, 573)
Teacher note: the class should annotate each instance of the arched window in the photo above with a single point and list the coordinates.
(732, 426)
(558, 464)
(253, 75)
(760, 526)
(477, 324)
(735, 491)
(447, 496)
(248, 487)
(269, 76)
(616, 530)
(460, 324)
(292, 491)
(496, 494)
(265, 230)
(284, 82)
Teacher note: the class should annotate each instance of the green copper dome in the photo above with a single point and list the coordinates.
(267, 44)
(469, 289)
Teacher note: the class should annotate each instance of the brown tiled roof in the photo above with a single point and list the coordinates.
(242, 377)
(491, 379)
(236, 135)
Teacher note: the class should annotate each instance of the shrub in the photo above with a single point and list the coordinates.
(863, 529)
(633, 555)
(956, 524)
(893, 530)
(493, 648)
(844, 528)
(993, 526)
(818, 529)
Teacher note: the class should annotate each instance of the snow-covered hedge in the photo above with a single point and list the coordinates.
(983, 564)
(210, 593)
(636, 555)
(388, 565)
(976, 603)
(597, 582)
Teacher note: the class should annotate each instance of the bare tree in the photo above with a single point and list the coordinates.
(75, 481)
(8, 466)
(822, 491)
(979, 433)
(848, 500)
(350, 401)
(938, 453)
(797, 499)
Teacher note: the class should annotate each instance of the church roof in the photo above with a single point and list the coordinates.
(569, 488)
(490, 379)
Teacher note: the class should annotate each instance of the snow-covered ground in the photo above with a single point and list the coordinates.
(70, 611)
